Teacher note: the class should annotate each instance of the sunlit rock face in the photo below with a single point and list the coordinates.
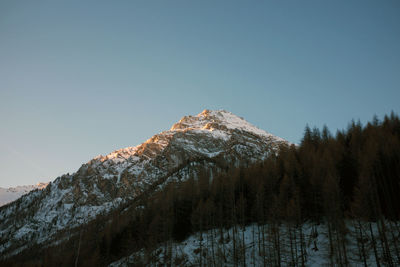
(211, 141)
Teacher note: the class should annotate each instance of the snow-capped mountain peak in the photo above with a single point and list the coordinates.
(222, 120)
(218, 123)
(208, 142)
(211, 125)
(216, 120)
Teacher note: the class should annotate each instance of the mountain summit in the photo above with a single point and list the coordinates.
(222, 120)
(219, 124)
(212, 142)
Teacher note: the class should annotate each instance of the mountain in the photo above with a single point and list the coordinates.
(212, 141)
(10, 194)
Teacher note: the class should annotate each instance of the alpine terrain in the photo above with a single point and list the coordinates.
(214, 190)
(212, 142)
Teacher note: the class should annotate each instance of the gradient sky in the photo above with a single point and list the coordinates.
(82, 78)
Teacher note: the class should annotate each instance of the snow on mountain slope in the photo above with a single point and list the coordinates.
(210, 141)
(8, 195)
(213, 120)
(211, 248)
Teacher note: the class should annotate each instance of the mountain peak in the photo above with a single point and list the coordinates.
(209, 112)
(217, 120)
(217, 123)
(204, 143)
(220, 114)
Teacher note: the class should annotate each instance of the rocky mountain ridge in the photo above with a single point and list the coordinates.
(211, 141)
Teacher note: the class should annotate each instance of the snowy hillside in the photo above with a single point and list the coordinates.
(209, 141)
(8, 195)
(254, 245)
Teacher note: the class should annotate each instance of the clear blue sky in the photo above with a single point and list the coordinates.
(82, 78)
